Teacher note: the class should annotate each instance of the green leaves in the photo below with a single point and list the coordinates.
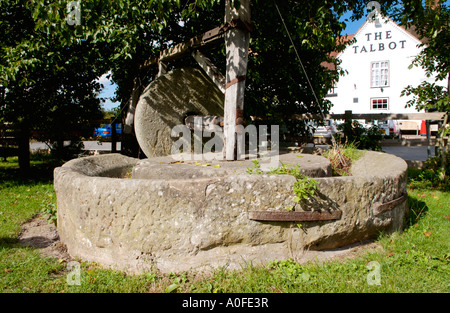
(178, 280)
(431, 22)
(255, 169)
(427, 96)
(304, 187)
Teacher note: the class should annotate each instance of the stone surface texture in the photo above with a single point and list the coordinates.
(167, 101)
(174, 217)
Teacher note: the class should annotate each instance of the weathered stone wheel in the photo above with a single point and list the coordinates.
(167, 101)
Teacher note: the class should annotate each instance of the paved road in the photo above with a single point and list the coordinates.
(414, 153)
(407, 153)
(88, 145)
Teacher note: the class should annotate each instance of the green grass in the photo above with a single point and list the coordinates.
(416, 260)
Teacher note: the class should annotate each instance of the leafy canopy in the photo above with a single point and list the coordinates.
(431, 20)
(123, 34)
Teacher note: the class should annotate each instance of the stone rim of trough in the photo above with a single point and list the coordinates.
(381, 177)
(116, 166)
(196, 167)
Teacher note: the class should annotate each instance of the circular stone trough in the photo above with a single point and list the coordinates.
(176, 216)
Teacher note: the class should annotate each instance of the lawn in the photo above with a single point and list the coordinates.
(416, 260)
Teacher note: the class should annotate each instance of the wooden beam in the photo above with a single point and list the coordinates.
(393, 116)
(237, 43)
(132, 102)
(210, 37)
(210, 69)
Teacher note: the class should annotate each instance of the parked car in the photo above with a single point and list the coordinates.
(104, 131)
(389, 128)
(323, 133)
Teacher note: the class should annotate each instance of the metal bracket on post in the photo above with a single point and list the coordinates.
(239, 117)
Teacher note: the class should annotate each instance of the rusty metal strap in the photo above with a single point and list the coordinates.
(235, 81)
(387, 206)
(220, 31)
(296, 216)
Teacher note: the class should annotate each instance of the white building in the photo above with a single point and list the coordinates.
(377, 66)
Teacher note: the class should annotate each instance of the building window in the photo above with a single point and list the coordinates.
(332, 92)
(380, 74)
(379, 103)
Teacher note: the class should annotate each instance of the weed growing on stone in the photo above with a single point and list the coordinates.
(348, 152)
(304, 187)
(255, 169)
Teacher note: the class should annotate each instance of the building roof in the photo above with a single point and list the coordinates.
(333, 54)
(411, 30)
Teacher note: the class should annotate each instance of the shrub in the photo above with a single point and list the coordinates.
(432, 176)
(362, 138)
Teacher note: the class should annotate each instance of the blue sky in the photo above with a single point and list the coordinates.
(352, 27)
(108, 93)
(108, 90)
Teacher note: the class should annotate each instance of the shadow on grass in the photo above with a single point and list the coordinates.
(417, 210)
(41, 170)
(38, 242)
(8, 242)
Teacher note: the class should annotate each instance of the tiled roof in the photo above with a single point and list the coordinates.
(333, 54)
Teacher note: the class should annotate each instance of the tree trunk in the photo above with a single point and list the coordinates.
(23, 141)
(129, 143)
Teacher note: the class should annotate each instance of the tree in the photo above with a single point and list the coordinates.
(431, 20)
(120, 35)
(48, 87)
(279, 83)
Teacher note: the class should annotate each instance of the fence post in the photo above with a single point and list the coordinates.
(23, 142)
(113, 136)
(348, 116)
(427, 124)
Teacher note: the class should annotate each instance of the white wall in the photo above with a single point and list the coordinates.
(383, 42)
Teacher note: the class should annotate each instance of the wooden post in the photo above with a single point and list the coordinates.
(23, 141)
(237, 44)
(132, 102)
(427, 123)
(348, 116)
(210, 69)
(113, 136)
